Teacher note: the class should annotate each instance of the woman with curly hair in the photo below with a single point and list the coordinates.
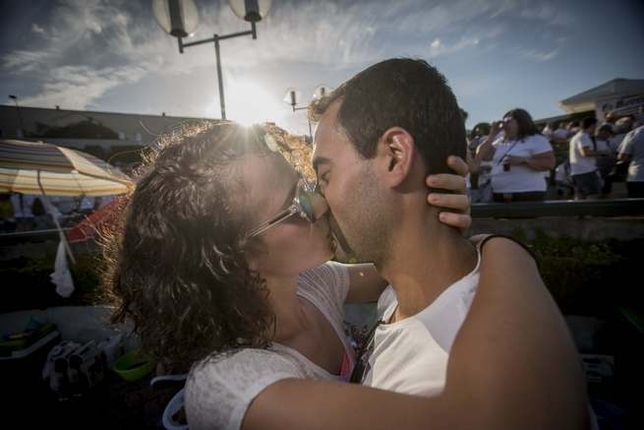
(521, 158)
(189, 265)
(222, 264)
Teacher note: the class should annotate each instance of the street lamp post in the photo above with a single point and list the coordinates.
(179, 18)
(292, 96)
(15, 99)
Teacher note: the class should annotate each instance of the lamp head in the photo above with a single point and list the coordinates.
(291, 97)
(321, 91)
(178, 18)
(250, 10)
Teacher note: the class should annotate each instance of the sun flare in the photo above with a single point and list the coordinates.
(249, 103)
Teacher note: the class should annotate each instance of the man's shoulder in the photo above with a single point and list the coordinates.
(581, 138)
(636, 135)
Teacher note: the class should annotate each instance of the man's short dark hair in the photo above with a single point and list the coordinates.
(606, 128)
(588, 121)
(403, 92)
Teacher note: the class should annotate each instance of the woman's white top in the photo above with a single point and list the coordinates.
(220, 390)
(520, 178)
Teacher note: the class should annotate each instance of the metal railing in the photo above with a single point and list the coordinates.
(548, 208)
(560, 208)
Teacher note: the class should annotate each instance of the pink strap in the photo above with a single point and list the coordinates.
(345, 368)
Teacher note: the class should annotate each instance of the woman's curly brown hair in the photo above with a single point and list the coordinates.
(176, 261)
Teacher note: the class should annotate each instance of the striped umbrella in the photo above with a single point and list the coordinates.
(42, 168)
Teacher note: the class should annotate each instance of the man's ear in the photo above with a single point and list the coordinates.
(396, 151)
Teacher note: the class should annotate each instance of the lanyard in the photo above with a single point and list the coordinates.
(506, 152)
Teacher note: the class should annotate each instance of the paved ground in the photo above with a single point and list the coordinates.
(112, 404)
(117, 404)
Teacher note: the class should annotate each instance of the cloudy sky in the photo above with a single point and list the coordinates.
(110, 55)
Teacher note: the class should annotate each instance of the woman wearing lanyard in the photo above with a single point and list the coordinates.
(521, 161)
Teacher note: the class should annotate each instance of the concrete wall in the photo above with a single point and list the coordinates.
(593, 229)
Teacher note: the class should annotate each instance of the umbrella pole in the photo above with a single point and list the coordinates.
(53, 216)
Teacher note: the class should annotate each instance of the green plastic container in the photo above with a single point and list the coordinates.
(133, 365)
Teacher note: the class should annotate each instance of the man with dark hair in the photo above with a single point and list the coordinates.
(438, 125)
(583, 162)
(379, 135)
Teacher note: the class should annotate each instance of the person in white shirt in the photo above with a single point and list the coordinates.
(606, 157)
(583, 161)
(632, 150)
(371, 151)
(621, 128)
(560, 135)
(521, 158)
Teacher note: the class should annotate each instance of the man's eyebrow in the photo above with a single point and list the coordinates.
(320, 160)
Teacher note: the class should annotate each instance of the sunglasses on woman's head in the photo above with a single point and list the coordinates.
(307, 204)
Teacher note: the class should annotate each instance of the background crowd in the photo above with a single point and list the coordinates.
(512, 160)
(25, 212)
